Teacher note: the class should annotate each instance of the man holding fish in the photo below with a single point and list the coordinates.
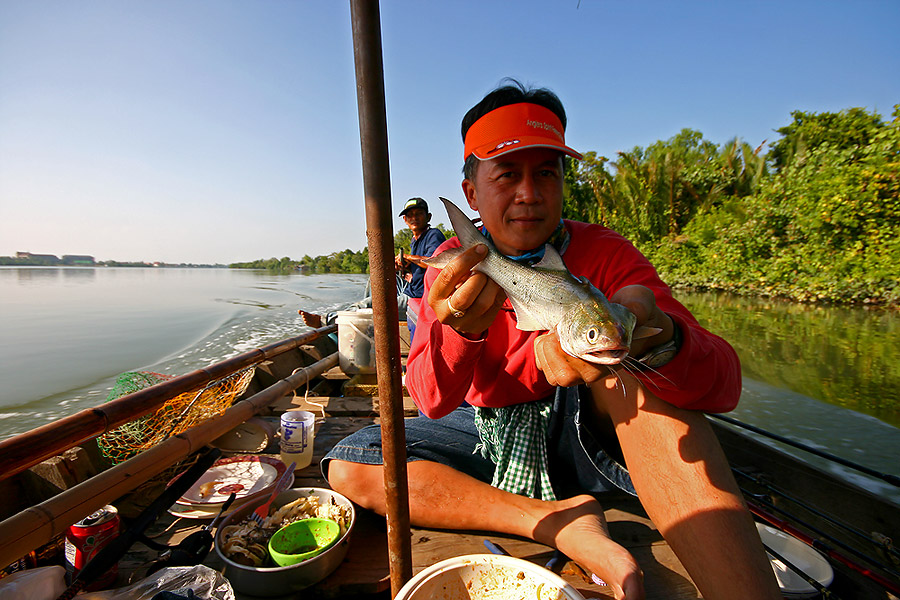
(565, 386)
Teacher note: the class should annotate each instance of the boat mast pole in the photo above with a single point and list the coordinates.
(379, 230)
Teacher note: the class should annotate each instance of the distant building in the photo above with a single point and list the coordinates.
(78, 260)
(49, 259)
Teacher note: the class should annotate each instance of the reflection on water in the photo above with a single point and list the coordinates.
(825, 376)
(31, 275)
(848, 357)
(79, 275)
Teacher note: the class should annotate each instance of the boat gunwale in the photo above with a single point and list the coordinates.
(25, 450)
(39, 524)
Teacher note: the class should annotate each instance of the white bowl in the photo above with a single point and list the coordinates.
(280, 581)
(487, 576)
(807, 559)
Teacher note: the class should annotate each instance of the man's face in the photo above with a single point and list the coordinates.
(416, 219)
(519, 197)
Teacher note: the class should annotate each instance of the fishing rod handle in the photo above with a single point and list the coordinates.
(112, 552)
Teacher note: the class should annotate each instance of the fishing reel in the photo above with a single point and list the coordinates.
(190, 551)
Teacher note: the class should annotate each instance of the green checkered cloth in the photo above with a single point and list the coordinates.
(515, 439)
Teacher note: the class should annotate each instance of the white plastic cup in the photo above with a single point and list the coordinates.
(356, 341)
(297, 436)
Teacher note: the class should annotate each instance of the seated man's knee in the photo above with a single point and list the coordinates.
(361, 483)
(340, 476)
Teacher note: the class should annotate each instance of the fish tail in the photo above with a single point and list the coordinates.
(465, 230)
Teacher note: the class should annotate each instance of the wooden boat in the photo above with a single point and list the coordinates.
(802, 499)
(51, 478)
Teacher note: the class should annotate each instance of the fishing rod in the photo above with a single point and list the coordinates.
(189, 551)
(881, 542)
(822, 535)
(822, 547)
(818, 544)
(111, 553)
(821, 589)
(886, 477)
(785, 526)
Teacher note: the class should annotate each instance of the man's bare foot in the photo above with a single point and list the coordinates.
(578, 529)
(311, 319)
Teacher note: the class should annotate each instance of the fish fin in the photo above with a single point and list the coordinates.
(439, 261)
(526, 320)
(465, 230)
(551, 261)
(644, 331)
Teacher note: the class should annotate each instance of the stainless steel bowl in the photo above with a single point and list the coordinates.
(279, 581)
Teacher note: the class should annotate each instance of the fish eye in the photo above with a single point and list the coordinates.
(592, 334)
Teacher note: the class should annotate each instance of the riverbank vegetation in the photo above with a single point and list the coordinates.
(345, 261)
(816, 218)
(275, 265)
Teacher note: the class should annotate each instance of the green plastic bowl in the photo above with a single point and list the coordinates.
(301, 540)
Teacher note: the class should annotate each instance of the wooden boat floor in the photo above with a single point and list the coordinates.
(365, 571)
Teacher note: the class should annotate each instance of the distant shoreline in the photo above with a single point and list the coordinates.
(10, 261)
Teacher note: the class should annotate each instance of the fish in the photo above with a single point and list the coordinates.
(547, 297)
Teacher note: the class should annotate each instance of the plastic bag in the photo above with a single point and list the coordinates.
(206, 583)
(43, 583)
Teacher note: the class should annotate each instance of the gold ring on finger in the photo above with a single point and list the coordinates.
(455, 311)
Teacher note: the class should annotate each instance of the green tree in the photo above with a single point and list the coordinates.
(848, 131)
(649, 194)
(824, 226)
(585, 180)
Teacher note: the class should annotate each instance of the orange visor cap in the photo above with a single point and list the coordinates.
(515, 127)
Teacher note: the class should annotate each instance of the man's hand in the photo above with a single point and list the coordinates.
(564, 370)
(466, 301)
(642, 303)
(416, 260)
(401, 261)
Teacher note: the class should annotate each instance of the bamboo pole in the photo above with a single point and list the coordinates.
(39, 524)
(379, 231)
(28, 449)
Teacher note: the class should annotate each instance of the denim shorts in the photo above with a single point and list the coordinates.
(578, 460)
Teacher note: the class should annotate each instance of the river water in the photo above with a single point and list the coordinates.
(67, 333)
(826, 376)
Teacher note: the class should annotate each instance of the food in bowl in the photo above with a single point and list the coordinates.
(274, 581)
(246, 542)
(487, 577)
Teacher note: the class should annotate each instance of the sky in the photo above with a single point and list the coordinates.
(216, 131)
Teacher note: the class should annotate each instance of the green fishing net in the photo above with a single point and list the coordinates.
(173, 417)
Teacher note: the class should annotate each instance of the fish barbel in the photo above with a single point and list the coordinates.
(548, 297)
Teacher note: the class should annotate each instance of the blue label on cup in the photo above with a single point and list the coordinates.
(294, 437)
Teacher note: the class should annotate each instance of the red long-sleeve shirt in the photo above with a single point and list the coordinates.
(445, 368)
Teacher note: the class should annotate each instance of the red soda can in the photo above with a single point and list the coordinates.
(86, 538)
